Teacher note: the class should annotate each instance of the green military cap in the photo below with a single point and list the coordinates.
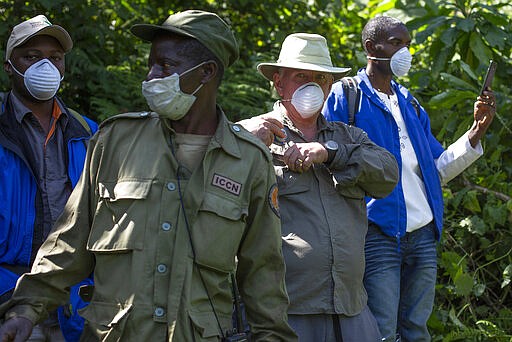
(208, 28)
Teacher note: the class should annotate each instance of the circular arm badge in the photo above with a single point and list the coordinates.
(273, 200)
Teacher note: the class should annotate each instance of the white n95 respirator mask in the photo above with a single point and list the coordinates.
(400, 62)
(308, 99)
(42, 79)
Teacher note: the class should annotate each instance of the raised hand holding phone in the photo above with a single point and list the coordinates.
(489, 76)
(484, 108)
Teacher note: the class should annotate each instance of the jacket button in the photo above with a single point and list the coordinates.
(161, 268)
(166, 226)
(171, 186)
(159, 312)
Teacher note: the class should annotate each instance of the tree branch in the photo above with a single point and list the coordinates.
(486, 191)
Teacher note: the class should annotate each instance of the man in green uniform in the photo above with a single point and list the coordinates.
(169, 204)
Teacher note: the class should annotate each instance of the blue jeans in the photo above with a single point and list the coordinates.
(400, 280)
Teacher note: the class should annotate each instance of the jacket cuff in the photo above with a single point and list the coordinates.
(23, 310)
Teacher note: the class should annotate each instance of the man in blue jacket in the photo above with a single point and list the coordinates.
(403, 228)
(42, 152)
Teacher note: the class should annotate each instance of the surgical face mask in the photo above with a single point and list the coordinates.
(42, 79)
(165, 97)
(400, 62)
(308, 99)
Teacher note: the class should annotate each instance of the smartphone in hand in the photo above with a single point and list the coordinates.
(489, 76)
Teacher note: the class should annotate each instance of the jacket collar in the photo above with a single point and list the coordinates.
(224, 136)
(365, 85)
(20, 110)
(279, 112)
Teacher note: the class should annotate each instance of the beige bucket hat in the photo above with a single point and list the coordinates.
(304, 51)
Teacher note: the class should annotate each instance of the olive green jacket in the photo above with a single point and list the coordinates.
(323, 216)
(127, 222)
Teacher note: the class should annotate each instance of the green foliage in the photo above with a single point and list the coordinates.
(453, 41)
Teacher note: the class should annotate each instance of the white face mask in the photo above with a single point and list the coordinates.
(308, 99)
(42, 79)
(400, 62)
(165, 97)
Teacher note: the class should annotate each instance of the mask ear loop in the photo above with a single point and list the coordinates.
(191, 69)
(19, 73)
(378, 58)
(197, 89)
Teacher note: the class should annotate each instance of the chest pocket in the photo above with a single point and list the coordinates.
(120, 220)
(290, 183)
(218, 232)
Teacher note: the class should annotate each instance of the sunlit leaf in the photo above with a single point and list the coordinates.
(478, 47)
(466, 24)
(471, 203)
(496, 37)
(456, 82)
(463, 284)
(455, 320)
(452, 262)
(479, 289)
(449, 36)
(449, 98)
(507, 276)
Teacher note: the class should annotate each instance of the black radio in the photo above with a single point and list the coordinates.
(236, 337)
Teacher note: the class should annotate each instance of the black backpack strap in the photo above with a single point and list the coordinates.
(416, 105)
(352, 92)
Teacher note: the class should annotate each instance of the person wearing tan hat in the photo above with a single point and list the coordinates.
(42, 153)
(172, 203)
(324, 170)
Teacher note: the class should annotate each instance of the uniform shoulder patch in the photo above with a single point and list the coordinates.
(273, 200)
